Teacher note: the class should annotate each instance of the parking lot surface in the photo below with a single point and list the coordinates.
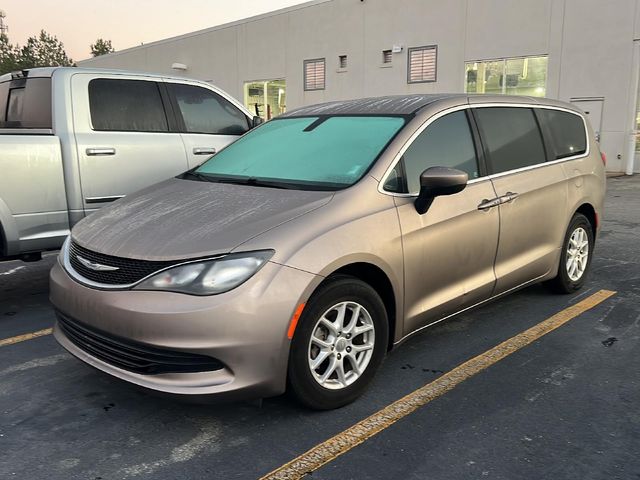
(564, 406)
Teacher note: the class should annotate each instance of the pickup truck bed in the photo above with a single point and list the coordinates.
(33, 204)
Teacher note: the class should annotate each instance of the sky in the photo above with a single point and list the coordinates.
(78, 23)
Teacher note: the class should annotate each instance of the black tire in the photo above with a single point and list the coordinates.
(562, 283)
(301, 380)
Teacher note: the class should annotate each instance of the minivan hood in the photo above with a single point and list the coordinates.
(182, 219)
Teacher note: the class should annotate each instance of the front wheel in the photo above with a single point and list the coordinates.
(576, 256)
(339, 344)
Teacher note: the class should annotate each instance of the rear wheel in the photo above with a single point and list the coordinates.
(576, 256)
(339, 344)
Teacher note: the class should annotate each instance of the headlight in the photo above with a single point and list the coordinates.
(208, 277)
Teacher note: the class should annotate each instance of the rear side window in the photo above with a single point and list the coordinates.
(511, 137)
(204, 111)
(126, 106)
(567, 132)
(26, 103)
(447, 142)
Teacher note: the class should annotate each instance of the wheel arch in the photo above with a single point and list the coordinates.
(9, 238)
(589, 211)
(376, 277)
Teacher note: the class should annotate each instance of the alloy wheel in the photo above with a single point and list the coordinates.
(341, 345)
(577, 254)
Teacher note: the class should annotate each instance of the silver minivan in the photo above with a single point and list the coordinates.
(299, 255)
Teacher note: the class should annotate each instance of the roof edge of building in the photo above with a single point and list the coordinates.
(204, 31)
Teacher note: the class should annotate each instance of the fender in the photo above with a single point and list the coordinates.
(10, 230)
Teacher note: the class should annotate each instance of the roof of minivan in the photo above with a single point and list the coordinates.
(408, 104)
(389, 105)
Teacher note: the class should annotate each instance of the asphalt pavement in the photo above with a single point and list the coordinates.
(566, 406)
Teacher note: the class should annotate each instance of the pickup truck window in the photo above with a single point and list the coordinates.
(204, 111)
(25, 103)
(16, 104)
(126, 106)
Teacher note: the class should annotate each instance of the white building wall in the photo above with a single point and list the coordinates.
(589, 43)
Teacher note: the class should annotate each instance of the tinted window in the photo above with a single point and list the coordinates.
(447, 142)
(15, 104)
(567, 132)
(511, 136)
(26, 103)
(126, 106)
(204, 111)
(314, 152)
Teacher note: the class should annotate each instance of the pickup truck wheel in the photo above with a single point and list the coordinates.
(339, 344)
(576, 256)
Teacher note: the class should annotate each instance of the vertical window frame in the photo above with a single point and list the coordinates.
(410, 50)
(324, 74)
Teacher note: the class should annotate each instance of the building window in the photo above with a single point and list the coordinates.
(387, 57)
(422, 65)
(266, 98)
(508, 76)
(342, 61)
(314, 74)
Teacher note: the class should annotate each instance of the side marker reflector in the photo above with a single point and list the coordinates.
(294, 320)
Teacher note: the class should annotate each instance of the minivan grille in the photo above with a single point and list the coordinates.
(128, 271)
(133, 356)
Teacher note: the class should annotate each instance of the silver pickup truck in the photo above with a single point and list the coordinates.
(74, 139)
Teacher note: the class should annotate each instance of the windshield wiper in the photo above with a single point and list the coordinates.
(257, 182)
(252, 181)
(199, 176)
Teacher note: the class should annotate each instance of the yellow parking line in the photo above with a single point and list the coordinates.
(26, 336)
(367, 428)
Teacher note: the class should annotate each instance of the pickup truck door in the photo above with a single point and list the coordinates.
(207, 119)
(123, 130)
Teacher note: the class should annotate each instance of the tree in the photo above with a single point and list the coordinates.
(43, 51)
(9, 55)
(101, 47)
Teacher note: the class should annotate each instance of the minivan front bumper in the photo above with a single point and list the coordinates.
(243, 332)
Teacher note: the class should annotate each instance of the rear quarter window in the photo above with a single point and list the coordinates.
(26, 103)
(568, 135)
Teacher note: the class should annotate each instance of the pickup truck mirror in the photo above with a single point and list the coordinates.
(437, 181)
(255, 121)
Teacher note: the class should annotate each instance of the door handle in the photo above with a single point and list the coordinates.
(509, 197)
(94, 152)
(487, 204)
(204, 151)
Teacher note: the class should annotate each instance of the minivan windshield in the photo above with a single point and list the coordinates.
(321, 152)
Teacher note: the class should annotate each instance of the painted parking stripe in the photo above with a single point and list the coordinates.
(353, 436)
(26, 336)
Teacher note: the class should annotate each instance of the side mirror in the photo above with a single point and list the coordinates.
(255, 121)
(437, 181)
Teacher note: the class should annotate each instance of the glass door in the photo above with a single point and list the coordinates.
(266, 98)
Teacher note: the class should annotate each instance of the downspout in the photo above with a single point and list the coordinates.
(631, 131)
